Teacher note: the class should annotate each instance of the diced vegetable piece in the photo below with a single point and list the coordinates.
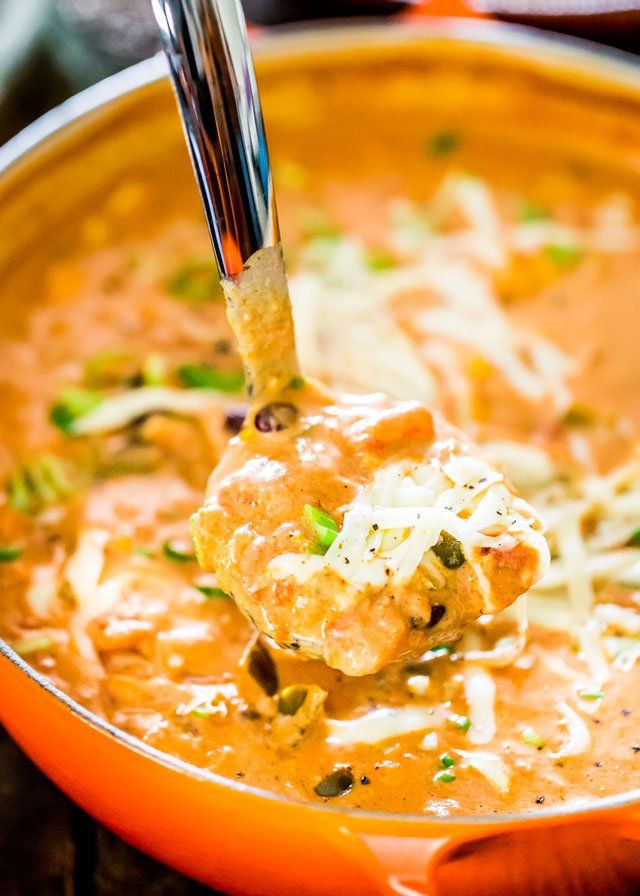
(449, 551)
(564, 254)
(634, 541)
(39, 483)
(195, 280)
(443, 143)
(262, 669)
(297, 382)
(203, 376)
(337, 783)
(179, 549)
(37, 644)
(290, 699)
(462, 723)
(154, 370)
(9, 552)
(324, 527)
(446, 761)
(590, 694)
(530, 736)
(72, 404)
(212, 592)
(444, 777)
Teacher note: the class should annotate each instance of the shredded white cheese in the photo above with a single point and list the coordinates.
(381, 724)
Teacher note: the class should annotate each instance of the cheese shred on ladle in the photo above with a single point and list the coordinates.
(358, 529)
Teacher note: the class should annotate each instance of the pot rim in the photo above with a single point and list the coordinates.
(599, 62)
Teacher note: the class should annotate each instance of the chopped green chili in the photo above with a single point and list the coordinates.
(262, 669)
(588, 694)
(563, 254)
(462, 723)
(449, 551)
(338, 782)
(324, 526)
(179, 550)
(72, 404)
(27, 646)
(446, 761)
(290, 699)
(9, 553)
(195, 280)
(530, 736)
(444, 777)
(39, 483)
(203, 376)
(212, 592)
(443, 143)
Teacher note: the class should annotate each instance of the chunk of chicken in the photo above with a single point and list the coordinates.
(363, 530)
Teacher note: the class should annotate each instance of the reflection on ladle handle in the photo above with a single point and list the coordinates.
(210, 63)
(207, 48)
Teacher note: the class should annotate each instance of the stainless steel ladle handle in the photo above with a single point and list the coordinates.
(207, 48)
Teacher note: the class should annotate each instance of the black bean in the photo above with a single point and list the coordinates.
(275, 417)
(234, 417)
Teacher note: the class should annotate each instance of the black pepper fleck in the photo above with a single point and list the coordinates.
(598, 764)
(625, 712)
(635, 748)
(540, 800)
(364, 780)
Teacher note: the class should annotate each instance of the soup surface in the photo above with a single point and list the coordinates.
(458, 273)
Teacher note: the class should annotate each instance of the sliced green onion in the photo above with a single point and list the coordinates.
(529, 211)
(446, 761)
(145, 552)
(380, 261)
(324, 527)
(449, 551)
(27, 646)
(588, 694)
(444, 777)
(39, 483)
(443, 143)
(563, 254)
(9, 553)
(212, 592)
(109, 367)
(179, 550)
(203, 376)
(203, 712)
(154, 370)
(634, 541)
(72, 404)
(195, 280)
(530, 736)
(463, 723)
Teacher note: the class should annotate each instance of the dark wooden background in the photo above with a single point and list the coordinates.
(49, 847)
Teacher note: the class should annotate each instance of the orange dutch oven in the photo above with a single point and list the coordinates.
(230, 836)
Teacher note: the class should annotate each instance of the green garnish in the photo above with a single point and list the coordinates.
(72, 404)
(462, 723)
(212, 592)
(579, 415)
(324, 527)
(203, 376)
(109, 367)
(290, 699)
(154, 370)
(446, 761)
(529, 211)
(297, 382)
(145, 552)
(380, 261)
(196, 280)
(530, 736)
(27, 646)
(444, 777)
(9, 553)
(39, 483)
(634, 541)
(203, 712)
(588, 694)
(335, 784)
(179, 550)
(449, 551)
(563, 254)
(443, 143)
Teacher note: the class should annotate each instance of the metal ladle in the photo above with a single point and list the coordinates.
(212, 71)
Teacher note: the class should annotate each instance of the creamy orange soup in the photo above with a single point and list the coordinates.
(504, 294)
